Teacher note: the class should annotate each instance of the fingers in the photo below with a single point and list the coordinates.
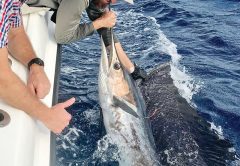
(40, 94)
(59, 118)
(68, 102)
(31, 88)
(66, 117)
(113, 17)
(42, 91)
(39, 90)
(60, 129)
(38, 82)
(109, 19)
(111, 14)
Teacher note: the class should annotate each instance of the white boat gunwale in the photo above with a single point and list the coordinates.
(25, 141)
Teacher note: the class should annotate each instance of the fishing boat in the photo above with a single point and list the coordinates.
(25, 141)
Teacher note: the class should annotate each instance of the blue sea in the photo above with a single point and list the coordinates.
(200, 38)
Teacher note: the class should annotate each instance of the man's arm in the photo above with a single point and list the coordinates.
(20, 47)
(15, 93)
(96, 14)
(125, 61)
(13, 90)
(68, 27)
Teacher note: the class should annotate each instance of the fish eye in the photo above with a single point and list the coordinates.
(117, 66)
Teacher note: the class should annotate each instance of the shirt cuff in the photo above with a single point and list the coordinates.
(3, 44)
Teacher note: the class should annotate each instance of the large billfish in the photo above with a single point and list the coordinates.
(182, 137)
(123, 112)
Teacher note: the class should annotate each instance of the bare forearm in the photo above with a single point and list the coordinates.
(97, 24)
(19, 45)
(14, 92)
(22, 99)
(124, 58)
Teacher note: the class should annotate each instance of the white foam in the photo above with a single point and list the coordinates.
(170, 160)
(232, 150)
(70, 70)
(91, 115)
(217, 129)
(157, 41)
(185, 83)
(68, 140)
(104, 146)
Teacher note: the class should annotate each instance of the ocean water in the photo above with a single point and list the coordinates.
(200, 38)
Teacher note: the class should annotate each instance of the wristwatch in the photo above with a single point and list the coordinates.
(37, 61)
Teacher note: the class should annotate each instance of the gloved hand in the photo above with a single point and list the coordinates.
(138, 73)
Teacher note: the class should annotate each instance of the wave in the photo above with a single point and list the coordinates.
(155, 45)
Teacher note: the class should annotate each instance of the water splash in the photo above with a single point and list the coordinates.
(154, 46)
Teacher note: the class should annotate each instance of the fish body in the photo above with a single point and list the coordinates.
(123, 111)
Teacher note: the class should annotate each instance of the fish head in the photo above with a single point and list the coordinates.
(115, 72)
(114, 83)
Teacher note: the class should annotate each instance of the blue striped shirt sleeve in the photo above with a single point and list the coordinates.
(10, 17)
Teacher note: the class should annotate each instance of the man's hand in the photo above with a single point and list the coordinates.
(107, 20)
(58, 118)
(38, 82)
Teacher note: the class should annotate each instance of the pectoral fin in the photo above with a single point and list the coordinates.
(125, 106)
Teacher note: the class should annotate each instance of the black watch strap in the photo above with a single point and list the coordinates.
(35, 61)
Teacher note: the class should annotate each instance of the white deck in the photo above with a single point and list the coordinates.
(25, 141)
